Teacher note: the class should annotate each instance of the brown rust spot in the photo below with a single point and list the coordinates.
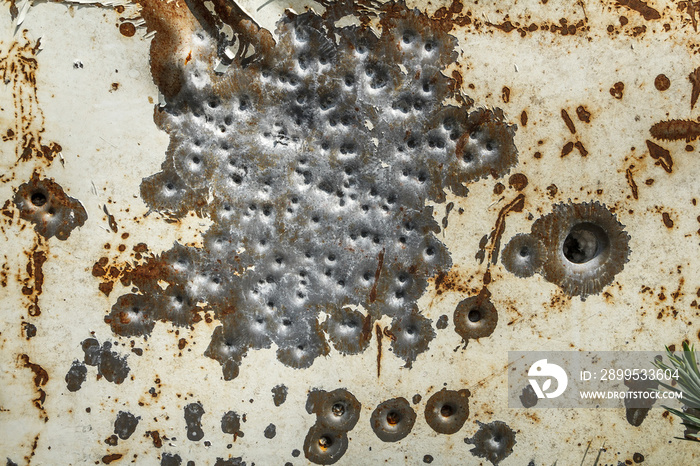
(631, 182)
(617, 90)
(498, 189)
(523, 118)
(661, 155)
(518, 181)
(505, 94)
(566, 150)
(110, 219)
(581, 149)
(667, 220)
(694, 78)
(583, 114)
(155, 436)
(111, 458)
(127, 29)
(181, 344)
(674, 130)
(662, 83)
(567, 121)
(641, 7)
(41, 377)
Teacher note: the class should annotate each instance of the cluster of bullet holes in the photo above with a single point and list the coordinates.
(318, 200)
(110, 364)
(579, 247)
(337, 413)
(53, 213)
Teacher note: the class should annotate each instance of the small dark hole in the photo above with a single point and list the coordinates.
(39, 199)
(196, 160)
(474, 315)
(524, 251)
(325, 442)
(447, 411)
(393, 418)
(338, 409)
(286, 322)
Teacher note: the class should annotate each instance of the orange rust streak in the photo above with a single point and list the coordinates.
(373, 291)
(630, 181)
(378, 331)
(516, 205)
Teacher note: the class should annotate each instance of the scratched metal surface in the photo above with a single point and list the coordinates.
(87, 86)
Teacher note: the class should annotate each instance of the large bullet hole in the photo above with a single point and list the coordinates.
(585, 247)
(584, 243)
(447, 410)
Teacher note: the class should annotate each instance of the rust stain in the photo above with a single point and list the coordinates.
(583, 114)
(380, 263)
(581, 149)
(567, 121)
(694, 78)
(505, 94)
(642, 8)
(516, 205)
(33, 284)
(110, 219)
(518, 181)
(378, 331)
(127, 29)
(566, 150)
(667, 220)
(617, 90)
(155, 436)
(523, 118)
(662, 83)
(110, 458)
(18, 66)
(631, 182)
(661, 155)
(674, 130)
(40, 379)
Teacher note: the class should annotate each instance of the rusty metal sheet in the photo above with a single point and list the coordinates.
(293, 232)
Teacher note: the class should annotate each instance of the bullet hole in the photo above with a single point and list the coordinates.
(53, 213)
(393, 420)
(279, 394)
(447, 410)
(231, 424)
(169, 459)
(270, 431)
(337, 413)
(125, 424)
(475, 317)
(494, 441)
(193, 421)
(427, 459)
(38, 199)
(76, 376)
(584, 243)
(528, 397)
(324, 446)
(523, 255)
(586, 247)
